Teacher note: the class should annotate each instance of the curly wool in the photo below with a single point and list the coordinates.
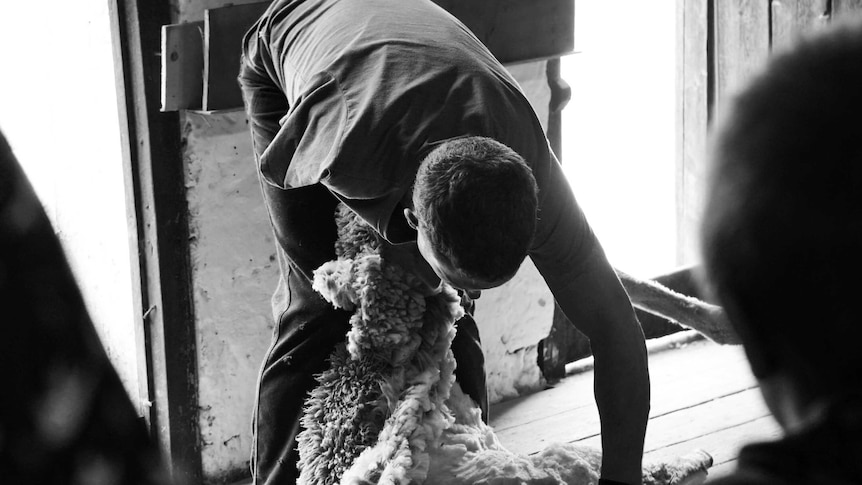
(408, 336)
(344, 415)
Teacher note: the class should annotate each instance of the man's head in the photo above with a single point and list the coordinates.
(474, 207)
(782, 227)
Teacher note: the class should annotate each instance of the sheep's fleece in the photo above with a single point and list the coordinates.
(388, 411)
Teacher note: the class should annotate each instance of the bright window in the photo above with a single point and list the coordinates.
(619, 129)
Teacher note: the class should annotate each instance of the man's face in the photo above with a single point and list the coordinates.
(444, 269)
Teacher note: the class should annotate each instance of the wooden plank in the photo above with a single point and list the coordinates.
(224, 29)
(681, 379)
(715, 61)
(519, 30)
(152, 160)
(792, 18)
(123, 86)
(741, 43)
(697, 364)
(691, 121)
(688, 423)
(182, 66)
(723, 444)
(699, 423)
(842, 8)
(569, 394)
(702, 360)
(582, 424)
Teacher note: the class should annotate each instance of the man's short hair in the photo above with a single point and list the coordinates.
(477, 199)
(782, 229)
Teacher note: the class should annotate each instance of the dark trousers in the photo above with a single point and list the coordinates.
(308, 330)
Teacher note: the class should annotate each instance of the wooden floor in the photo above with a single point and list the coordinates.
(703, 397)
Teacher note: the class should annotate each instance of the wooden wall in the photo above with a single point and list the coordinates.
(722, 44)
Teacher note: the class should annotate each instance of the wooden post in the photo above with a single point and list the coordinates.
(153, 166)
(693, 104)
(182, 66)
(742, 29)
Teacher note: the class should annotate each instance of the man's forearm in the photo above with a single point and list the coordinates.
(622, 395)
(597, 304)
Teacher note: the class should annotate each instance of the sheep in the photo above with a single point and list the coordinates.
(389, 410)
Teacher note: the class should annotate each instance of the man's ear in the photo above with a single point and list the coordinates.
(411, 218)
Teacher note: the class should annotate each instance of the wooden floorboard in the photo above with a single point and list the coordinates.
(703, 397)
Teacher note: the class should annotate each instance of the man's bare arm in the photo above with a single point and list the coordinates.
(597, 304)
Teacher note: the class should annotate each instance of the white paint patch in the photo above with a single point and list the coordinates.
(234, 273)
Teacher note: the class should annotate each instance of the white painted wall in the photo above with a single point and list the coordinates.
(58, 110)
(234, 274)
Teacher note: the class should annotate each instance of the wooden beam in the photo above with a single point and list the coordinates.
(153, 164)
(741, 43)
(514, 30)
(519, 30)
(224, 29)
(182, 66)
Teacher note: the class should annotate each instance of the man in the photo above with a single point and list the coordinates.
(782, 239)
(394, 108)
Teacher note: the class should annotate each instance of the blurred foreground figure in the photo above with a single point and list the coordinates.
(64, 414)
(782, 243)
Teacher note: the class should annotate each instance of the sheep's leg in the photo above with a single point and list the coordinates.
(655, 298)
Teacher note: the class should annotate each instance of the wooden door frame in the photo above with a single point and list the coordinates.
(158, 221)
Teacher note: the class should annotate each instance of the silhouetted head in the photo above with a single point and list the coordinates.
(782, 226)
(474, 208)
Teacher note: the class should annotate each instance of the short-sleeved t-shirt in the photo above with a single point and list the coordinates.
(373, 85)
